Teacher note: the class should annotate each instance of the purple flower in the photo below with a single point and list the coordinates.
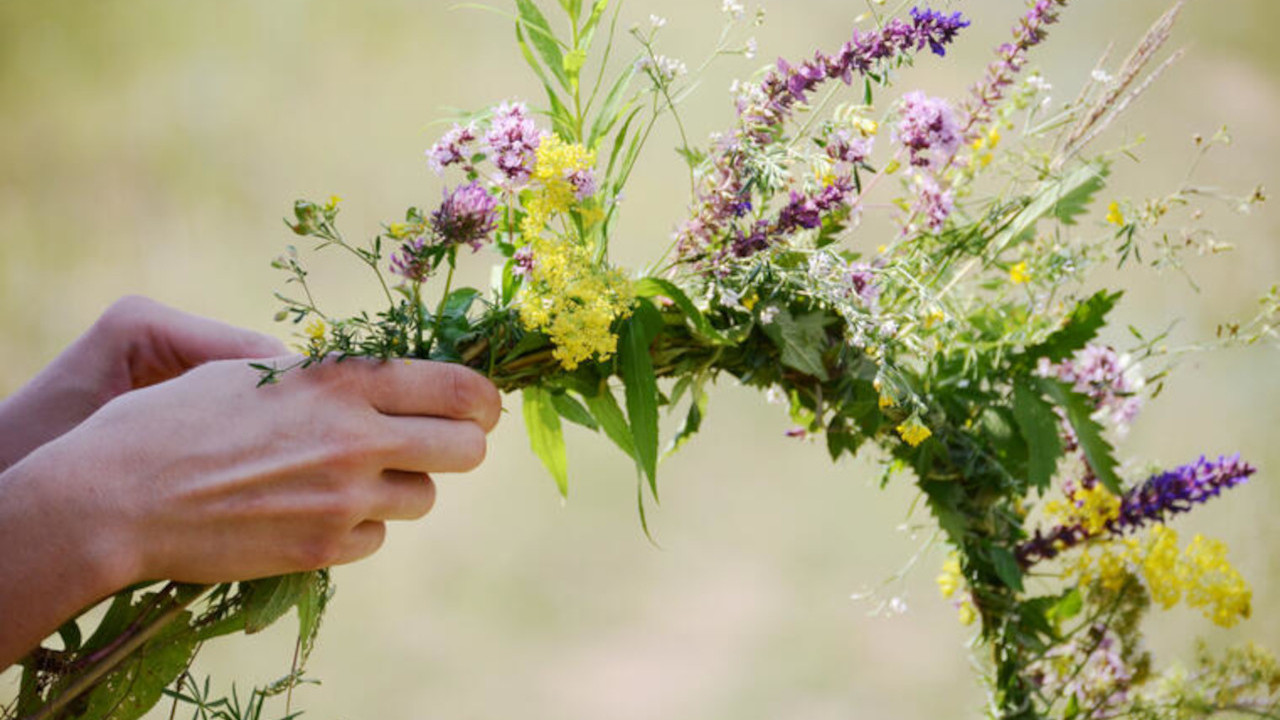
(927, 128)
(1107, 378)
(512, 141)
(1154, 500)
(451, 148)
(523, 262)
(862, 283)
(584, 184)
(467, 215)
(940, 29)
(410, 261)
(1029, 32)
(933, 203)
(845, 146)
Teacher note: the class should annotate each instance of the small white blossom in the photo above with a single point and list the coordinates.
(657, 21)
(769, 314)
(733, 9)
(661, 68)
(751, 49)
(1102, 76)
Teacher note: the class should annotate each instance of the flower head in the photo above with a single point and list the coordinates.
(467, 215)
(512, 140)
(451, 149)
(927, 128)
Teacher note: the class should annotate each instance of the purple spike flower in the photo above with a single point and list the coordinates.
(467, 215)
(1029, 32)
(1158, 497)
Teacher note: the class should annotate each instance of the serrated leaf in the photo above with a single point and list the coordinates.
(573, 411)
(1039, 427)
(1076, 203)
(134, 687)
(1082, 325)
(1046, 198)
(268, 599)
(1097, 451)
(801, 339)
(641, 386)
(546, 436)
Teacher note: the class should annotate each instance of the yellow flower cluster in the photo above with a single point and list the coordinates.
(913, 432)
(1089, 508)
(1198, 575)
(1019, 274)
(568, 294)
(984, 147)
(950, 581)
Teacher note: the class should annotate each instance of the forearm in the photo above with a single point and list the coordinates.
(53, 562)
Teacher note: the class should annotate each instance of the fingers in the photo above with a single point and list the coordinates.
(432, 445)
(402, 496)
(363, 541)
(417, 387)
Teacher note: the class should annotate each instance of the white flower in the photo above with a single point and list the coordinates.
(733, 8)
(1102, 76)
(657, 21)
(661, 68)
(752, 47)
(769, 314)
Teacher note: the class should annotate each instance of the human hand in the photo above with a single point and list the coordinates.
(136, 343)
(207, 478)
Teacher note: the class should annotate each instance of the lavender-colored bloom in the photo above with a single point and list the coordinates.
(410, 261)
(451, 149)
(927, 128)
(467, 215)
(584, 183)
(1109, 379)
(1156, 499)
(1029, 32)
(933, 203)
(524, 262)
(512, 141)
(846, 146)
(862, 283)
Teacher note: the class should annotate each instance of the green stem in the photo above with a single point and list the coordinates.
(438, 321)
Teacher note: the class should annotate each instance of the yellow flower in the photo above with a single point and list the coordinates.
(1114, 215)
(886, 401)
(968, 613)
(315, 329)
(913, 432)
(1018, 274)
(949, 579)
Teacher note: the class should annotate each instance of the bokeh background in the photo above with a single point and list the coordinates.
(152, 147)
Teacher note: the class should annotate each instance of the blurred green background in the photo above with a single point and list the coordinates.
(152, 147)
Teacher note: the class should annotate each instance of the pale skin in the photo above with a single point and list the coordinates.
(145, 451)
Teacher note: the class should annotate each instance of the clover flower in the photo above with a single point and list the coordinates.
(467, 215)
(1156, 499)
(1111, 380)
(1029, 32)
(928, 129)
(512, 141)
(451, 148)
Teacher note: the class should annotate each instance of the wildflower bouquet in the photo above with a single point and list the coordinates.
(963, 347)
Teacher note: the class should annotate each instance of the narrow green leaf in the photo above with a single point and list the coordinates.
(693, 420)
(543, 39)
(573, 411)
(589, 28)
(1097, 451)
(641, 385)
(552, 98)
(573, 62)
(1039, 427)
(659, 287)
(546, 436)
(613, 108)
(604, 407)
(1068, 607)
(70, 634)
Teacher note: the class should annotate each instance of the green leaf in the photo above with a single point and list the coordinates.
(604, 407)
(1039, 427)
(1097, 451)
(1068, 607)
(589, 28)
(137, 685)
(641, 385)
(658, 287)
(573, 411)
(268, 599)
(693, 420)
(546, 436)
(1076, 202)
(1047, 198)
(1006, 566)
(801, 339)
(1081, 326)
(311, 609)
(70, 634)
(532, 62)
(573, 62)
(613, 108)
(543, 39)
